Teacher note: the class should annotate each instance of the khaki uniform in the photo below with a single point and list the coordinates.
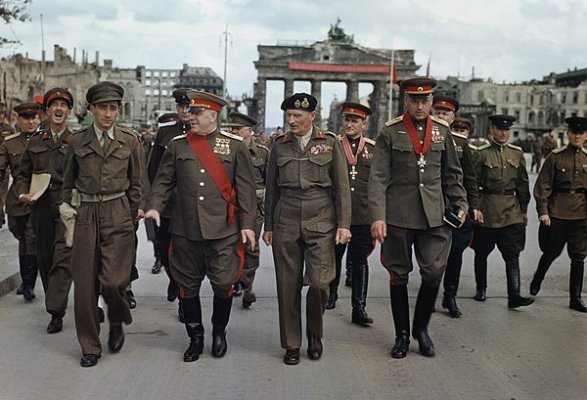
(44, 154)
(307, 199)
(109, 187)
(412, 201)
(203, 242)
(5, 130)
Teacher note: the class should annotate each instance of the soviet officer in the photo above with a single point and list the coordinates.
(212, 218)
(19, 221)
(358, 151)
(5, 130)
(561, 201)
(102, 183)
(242, 125)
(307, 212)
(445, 107)
(504, 197)
(45, 153)
(415, 176)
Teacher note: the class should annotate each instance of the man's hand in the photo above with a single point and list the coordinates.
(26, 198)
(525, 218)
(248, 236)
(478, 216)
(140, 214)
(544, 219)
(268, 237)
(379, 230)
(155, 216)
(343, 235)
(462, 217)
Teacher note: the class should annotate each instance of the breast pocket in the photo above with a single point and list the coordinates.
(319, 167)
(435, 155)
(39, 158)
(186, 167)
(288, 170)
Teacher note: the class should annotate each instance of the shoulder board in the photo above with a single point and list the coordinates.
(485, 146)
(339, 137)
(459, 135)
(473, 147)
(584, 150)
(512, 146)
(230, 135)
(370, 141)
(262, 147)
(179, 137)
(14, 135)
(394, 120)
(129, 131)
(170, 123)
(440, 121)
(561, 149)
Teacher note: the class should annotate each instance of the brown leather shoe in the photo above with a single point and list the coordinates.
(115, 338)
(89, 360)
(292, 357)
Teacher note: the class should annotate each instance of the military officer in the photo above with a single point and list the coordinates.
(19, 221)
(212, 218)
(445, 107)
(45, 153)
(504, 197)
(307, 212)
(5, 130)
(170, 126)
(561, 201)
(415, 176)
(102, 183)
(358, 151)
(242, 125)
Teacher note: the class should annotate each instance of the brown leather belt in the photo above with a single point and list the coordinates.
(500, 192)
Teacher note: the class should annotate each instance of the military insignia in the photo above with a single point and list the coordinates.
(305, 103)
(44, 136)
(222, 146)
(297, 104)
(366, 155)
(320, 149)
(437, 137)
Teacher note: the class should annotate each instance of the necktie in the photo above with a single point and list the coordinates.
(104, 141)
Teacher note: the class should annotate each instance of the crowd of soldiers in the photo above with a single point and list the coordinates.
(206, 193)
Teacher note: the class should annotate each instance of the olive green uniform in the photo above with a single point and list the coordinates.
(46, 154)
(5, 130)
(307, 199)
(108, 184)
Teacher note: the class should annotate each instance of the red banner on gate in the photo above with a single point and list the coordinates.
(340, 68)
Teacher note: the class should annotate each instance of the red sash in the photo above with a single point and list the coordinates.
(418, 147)
(213, 165)
(346, 145)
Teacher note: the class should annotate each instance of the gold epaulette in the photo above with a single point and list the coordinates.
(473, 147)
(179, 137)
(584, 150)
(262, 147)
(561, 149)
(230, 135)
(513, 146)
(439, 121)
(459, 135)
(370, 141)
(485, 146)
(14, 135)
(394, 120)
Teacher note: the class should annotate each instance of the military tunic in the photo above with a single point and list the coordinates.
(204, 243)
(307, 199)
(46, 154)
(412, 199)
(561, 193)
(5, 130)
(108, 185)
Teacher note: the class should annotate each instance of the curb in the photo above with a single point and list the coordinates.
(9, 283)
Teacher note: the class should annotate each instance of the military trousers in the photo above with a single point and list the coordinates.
(552, 239)
(220, 260)
(102, 257)
(303, 253)
(431, 247)
(510, 241)
(252, 256)
(53, 257)
(359, 249)
(21, 228)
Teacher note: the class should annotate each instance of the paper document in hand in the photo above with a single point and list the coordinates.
(39, 183)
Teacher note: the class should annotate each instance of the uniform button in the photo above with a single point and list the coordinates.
(202, 171)
(201, 198)
(202, 183)
(352, 189)
(421, 185)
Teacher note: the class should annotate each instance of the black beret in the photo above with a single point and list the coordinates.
(104, 91)
(577, 124)
(57, 93)
(357, 109)
(239, 120)
(502, 121)
(442, 102)
(181, 96)
(300, 101)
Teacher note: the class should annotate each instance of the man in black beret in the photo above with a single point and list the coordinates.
(307, 212)
(102, 185)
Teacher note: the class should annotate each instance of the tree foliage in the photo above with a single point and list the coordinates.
(13, 10)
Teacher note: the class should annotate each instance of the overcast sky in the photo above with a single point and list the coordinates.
(506, 40)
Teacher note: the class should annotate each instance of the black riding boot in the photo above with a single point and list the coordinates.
(480, 277)
(333, 296)
(348, 272)
(576, 287)
(543, 266)
(220, 316)
(360, 283)
(400, 310)
(449, 301)
(512, 270)
(29, 276)
(426, 298)
(192, 311)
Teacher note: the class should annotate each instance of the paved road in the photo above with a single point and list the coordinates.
(538, 352)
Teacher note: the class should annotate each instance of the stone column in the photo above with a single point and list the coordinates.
(288, 85)
(260, 90)
(352, 91)
(317, 93)
(379, 103)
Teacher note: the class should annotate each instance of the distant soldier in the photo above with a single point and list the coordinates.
(45, 153)
(5, 130)
(536, 154)
(307, 212)
(102, 185)
(548, 145)
(415, 178)
(560, 192)
(445, 108)
(242, 125)
(502, 218)
(19, 221)
(212, 218)
(358, 151)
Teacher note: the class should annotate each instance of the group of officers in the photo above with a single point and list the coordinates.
(420, 189)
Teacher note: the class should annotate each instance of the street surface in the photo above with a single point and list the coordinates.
(535, 352)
